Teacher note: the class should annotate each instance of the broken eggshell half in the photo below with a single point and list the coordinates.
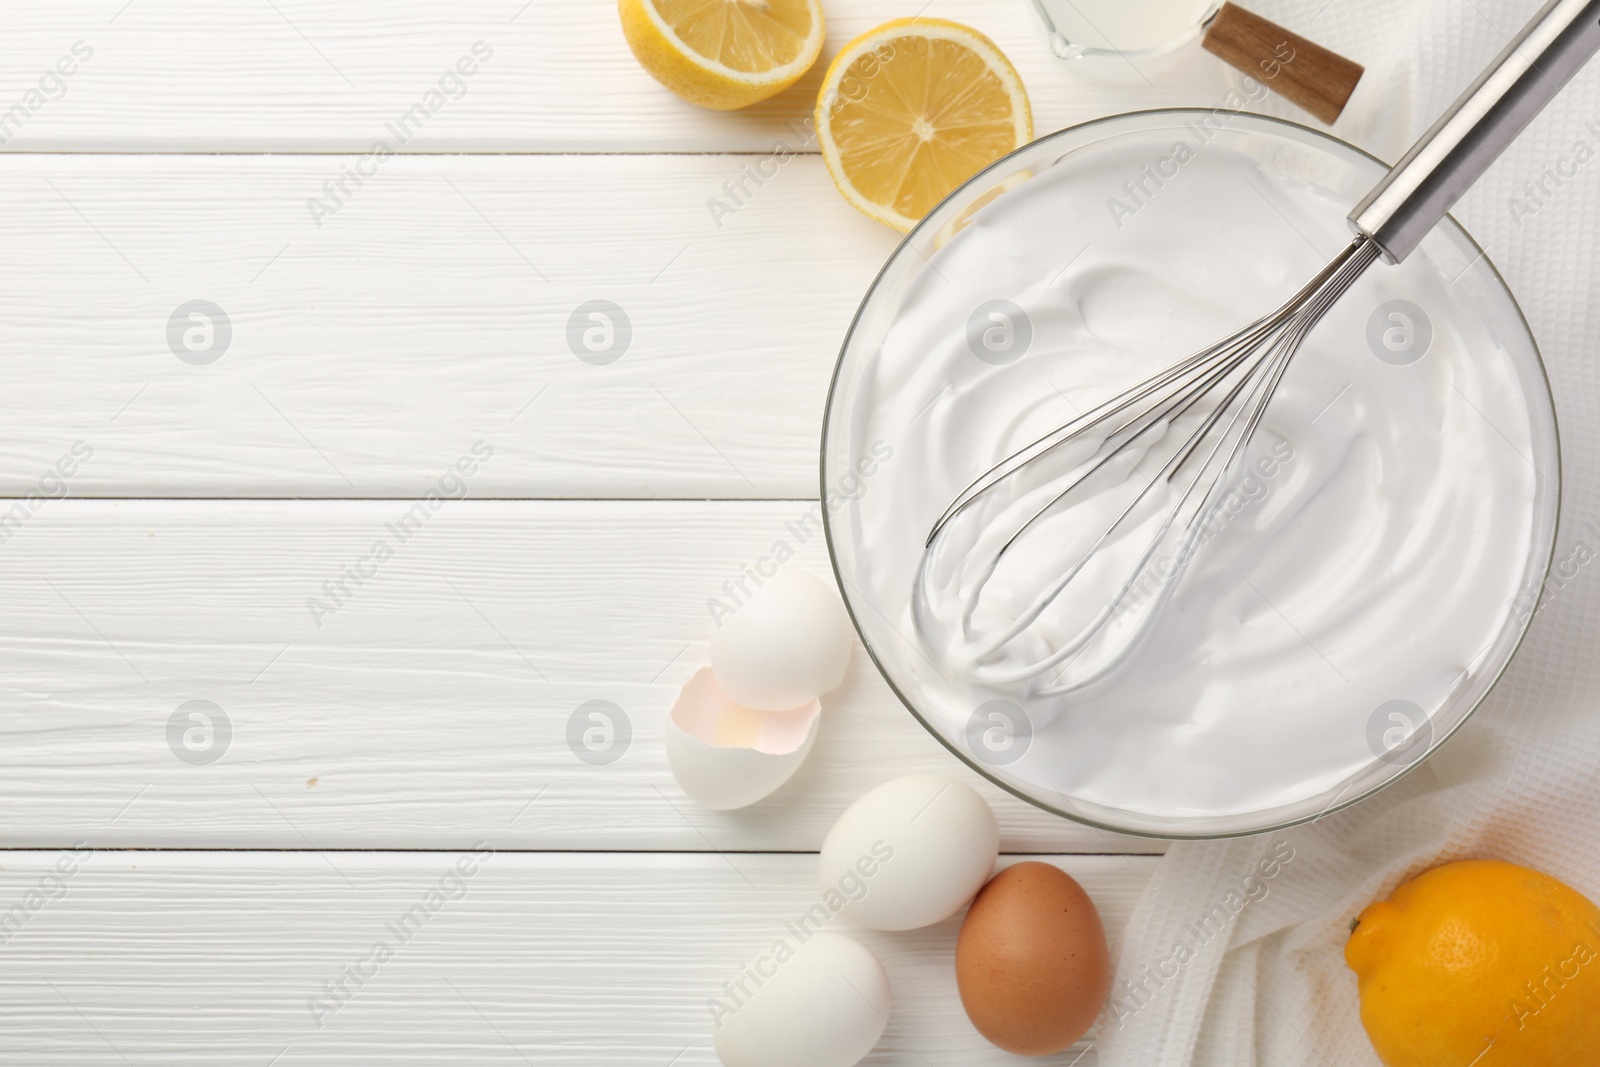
(725, 755)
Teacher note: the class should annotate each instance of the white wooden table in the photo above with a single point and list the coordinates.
(186, 515)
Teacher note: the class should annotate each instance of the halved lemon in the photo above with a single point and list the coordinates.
(912, 109)
(724, 54)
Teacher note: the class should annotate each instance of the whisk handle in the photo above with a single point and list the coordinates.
(1455, 152)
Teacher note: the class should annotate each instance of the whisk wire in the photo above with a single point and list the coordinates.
(1082, 423)
(1247, 367)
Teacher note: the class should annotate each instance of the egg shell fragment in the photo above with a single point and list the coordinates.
(726, 756)
(826, 1005)
(1032, 964)
(788, 644)
(929, 844)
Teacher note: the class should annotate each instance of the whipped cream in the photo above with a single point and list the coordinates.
(1366, 553)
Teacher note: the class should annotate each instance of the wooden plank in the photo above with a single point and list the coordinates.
(592, 959)
(423, 708)
(431, 311)
(331, 75)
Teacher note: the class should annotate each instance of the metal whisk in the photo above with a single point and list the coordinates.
(1220, 394)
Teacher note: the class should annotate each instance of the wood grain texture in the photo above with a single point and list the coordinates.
(1301, 71)
(328, 75)
(430, 707)
(379, 330)
(196, 958)
(430, 311)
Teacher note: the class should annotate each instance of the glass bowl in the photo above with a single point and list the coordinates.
(875, 468)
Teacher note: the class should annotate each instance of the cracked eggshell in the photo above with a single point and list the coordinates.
(825, 1005)
(789, 643)
(727, 756)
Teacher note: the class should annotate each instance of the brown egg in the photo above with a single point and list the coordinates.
(1031, 961)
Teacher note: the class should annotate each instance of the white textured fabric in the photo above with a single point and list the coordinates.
(1521, 781)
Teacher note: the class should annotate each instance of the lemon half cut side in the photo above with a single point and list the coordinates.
(912, 109)
(724, 54)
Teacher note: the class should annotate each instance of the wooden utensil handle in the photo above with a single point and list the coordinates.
(1291, 66)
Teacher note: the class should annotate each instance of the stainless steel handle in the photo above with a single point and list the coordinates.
(1431, 177)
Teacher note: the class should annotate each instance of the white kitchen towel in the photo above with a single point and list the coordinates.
(1234, 954)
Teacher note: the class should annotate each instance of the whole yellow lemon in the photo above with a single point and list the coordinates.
(1480, 964)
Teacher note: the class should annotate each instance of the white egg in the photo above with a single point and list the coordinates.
(727, 756)
(910, 853)
(789, 643)
(824, 1005)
